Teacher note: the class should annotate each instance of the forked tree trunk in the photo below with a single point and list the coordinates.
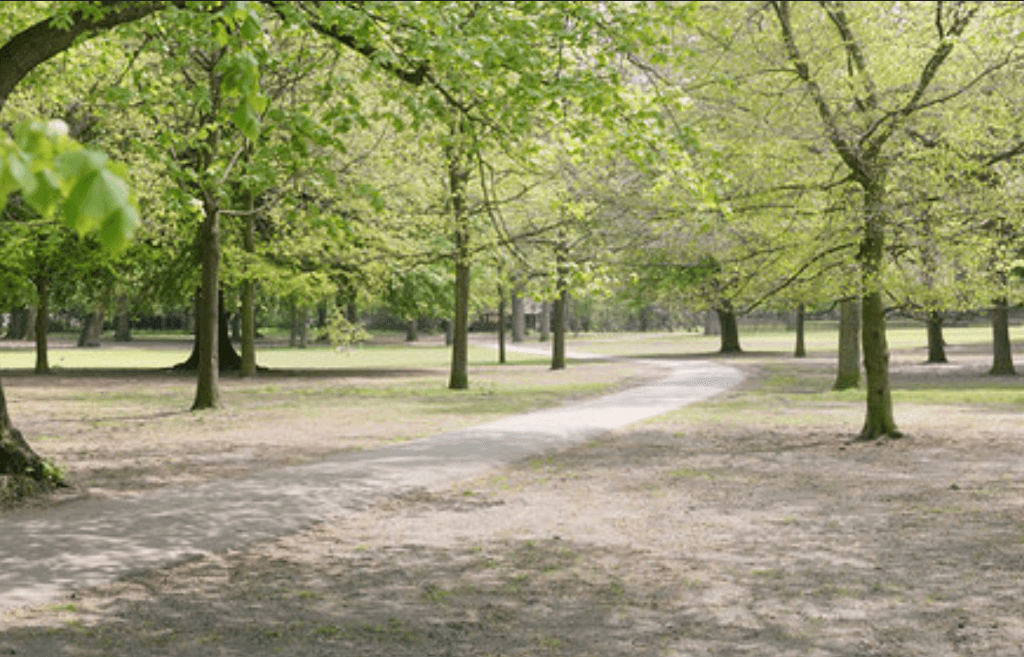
(878, 420)
(42, 325)
(800, 351)
(936, 343)
(848, 370)
(1002, 353)
(730, 337)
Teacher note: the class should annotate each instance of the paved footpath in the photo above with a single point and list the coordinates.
(47, 553)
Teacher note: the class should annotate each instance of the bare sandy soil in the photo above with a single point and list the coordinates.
(675, 538)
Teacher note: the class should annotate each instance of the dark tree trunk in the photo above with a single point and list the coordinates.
(848, 371)
(42, 325)
(501, 323)
(458, 177)
(560, 307)
(1002, 352)
(936, 343)
(16, 457)
(247, 364)
(92, 329)
(122, 322)
(878, 420)
(412, 330)
(18, 328)
(730, 339)
(801, 347)
(518, 317)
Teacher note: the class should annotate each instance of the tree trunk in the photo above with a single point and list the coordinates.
(18, 328)
(560, 307)
(848, 372)
(122, 323)
(412, 330)
(31, 320)
(518, 316)
(247, 367)
(1002, 352)
(208, 317)
(936, 343)
(501, 323)
(458, 177)
(878, 420)
(16, 457)
(42, 325)
(801, 347)
(92, 329)
(545, 322)
(730, 339)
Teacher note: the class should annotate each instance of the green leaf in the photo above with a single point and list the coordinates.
(95, 198)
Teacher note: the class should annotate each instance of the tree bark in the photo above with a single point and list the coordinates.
(730, 337)
(122, 321)
(848, 371)
(800, 351)
(458, 177)
(42, 325)
(16, 457)
(560, 306)
(208, 317)
(92, 329)
(518, 316)
(412, 330)
(878, 420)
(936, 343)
(545, 322)
(247, 366)
(501, 323)
(1002, 352)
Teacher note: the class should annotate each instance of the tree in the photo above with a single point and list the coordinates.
(54, 175)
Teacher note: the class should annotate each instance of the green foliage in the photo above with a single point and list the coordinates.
(55, 174)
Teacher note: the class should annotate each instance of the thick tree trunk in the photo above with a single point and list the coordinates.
(518, 316)
(16, 457)
(848, 371)
(412, 330)
(545, 322)
(208, 317)
(1002, 352)
(42, 325)
(122, 321)
(18, 328)
(501, 323)
(878, 420)
(730, 338)
(92, 329)
(800, 351)
(936, 343)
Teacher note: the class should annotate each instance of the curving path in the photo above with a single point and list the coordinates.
(46, 554)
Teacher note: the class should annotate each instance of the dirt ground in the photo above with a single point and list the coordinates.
(672, 538)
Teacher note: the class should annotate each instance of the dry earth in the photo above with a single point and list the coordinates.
(675, 538)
